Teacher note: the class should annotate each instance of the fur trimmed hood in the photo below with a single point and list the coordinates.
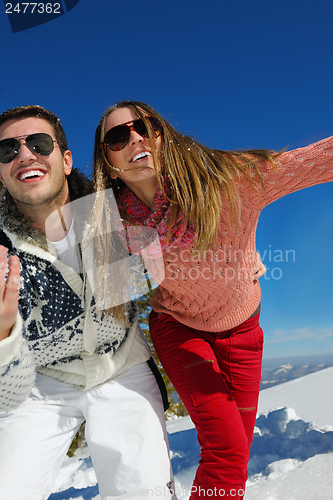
(13, 221)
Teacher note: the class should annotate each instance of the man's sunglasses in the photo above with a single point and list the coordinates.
(39, 143)
(117, 137)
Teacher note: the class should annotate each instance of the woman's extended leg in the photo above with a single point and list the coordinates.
(240, 358)
(194, 368)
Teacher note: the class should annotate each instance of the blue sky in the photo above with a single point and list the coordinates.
(240, 74)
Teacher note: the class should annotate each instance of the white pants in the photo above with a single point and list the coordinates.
(125, 431)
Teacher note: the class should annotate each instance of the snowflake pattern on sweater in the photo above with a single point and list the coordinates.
(57, 332)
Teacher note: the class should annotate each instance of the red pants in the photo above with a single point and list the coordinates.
(217, 375)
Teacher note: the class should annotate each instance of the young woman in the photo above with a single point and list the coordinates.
(204, 205)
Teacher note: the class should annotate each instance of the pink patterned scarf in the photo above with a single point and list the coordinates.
(133, 210)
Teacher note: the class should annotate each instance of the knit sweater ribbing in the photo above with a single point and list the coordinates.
(217, 291)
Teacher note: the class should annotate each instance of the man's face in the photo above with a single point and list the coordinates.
(33, 179)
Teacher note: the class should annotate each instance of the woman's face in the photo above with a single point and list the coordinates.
(134, 163)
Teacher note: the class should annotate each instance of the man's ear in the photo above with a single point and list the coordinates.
(68, 162)
(1, 179)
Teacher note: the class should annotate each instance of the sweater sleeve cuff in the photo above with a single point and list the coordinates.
(10, 347)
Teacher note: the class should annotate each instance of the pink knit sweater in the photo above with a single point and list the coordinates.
(217, 291)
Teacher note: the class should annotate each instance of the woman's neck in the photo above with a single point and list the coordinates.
(145, 191)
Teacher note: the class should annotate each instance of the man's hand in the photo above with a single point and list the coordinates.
(259, 269)
(9, 291)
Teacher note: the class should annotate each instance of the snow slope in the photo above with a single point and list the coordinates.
(309, 396)
(291, 455)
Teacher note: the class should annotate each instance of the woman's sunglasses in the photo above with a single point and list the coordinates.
(39, 143)
(117, 137)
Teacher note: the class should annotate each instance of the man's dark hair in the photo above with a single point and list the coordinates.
(34, 111)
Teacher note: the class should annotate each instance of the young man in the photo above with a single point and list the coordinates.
(61, 360)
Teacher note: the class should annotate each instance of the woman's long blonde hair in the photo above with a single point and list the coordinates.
(198, 174)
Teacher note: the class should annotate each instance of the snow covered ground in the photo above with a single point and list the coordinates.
(291, 455)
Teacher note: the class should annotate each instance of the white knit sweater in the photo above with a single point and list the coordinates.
(58, 331)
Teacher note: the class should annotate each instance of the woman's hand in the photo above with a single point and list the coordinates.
(259, 269)
(9, 291)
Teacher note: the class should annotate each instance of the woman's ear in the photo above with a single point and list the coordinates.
(113, 174)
